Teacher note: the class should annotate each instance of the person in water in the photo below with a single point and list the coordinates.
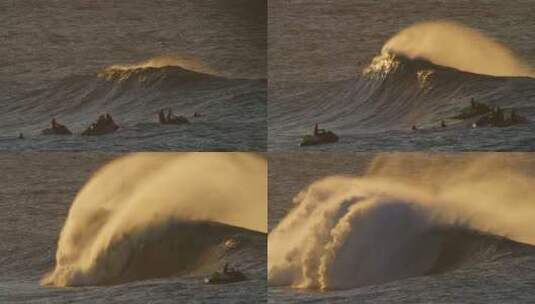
(54, 123)
(472, 103)
(414, 128)
(21, 136)
(442, 124)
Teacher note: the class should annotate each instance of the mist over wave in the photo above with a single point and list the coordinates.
(454, 45)
(185, 62)
(155, 215)
(407, 216)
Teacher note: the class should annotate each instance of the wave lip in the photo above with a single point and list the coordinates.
(170, 248)
(454, 45)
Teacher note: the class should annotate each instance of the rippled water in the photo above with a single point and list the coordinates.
(54, 53)
(505, 278)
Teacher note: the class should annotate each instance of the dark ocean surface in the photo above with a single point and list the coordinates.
(76, 60)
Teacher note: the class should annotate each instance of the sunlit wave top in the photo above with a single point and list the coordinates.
(124, 71)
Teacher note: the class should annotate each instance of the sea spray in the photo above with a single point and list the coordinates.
(454, 45)
(183, 61)
(153, 215)
(408, 215)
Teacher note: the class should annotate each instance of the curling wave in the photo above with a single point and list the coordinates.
(147, 216)
(349, 232)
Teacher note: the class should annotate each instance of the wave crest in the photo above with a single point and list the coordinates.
(147, 215)
(408, 216)
(454, 45)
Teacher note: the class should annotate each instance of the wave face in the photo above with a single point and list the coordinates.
(149, 216)
(396, 92)
(347, 232)
(133, 94)
(406, 84)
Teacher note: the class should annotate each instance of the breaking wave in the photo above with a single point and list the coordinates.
(408, 216)
(454, 45)
(133, 93)
(156, 215)
(419, 78)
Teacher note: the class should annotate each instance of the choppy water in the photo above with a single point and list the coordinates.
(36, 193)
(206, 57)
(472, 267)
(317, 54)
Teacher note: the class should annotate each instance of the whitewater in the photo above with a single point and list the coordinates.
(400, 224)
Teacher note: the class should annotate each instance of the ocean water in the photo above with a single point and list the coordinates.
(75, 60)
(36, 194)
(326, 66)
(361, 227)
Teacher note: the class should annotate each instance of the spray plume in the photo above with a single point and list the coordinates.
(402, 219)
(454, 45)
(155, 214)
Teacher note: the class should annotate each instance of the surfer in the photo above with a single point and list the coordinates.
(170, 115)
(161, 117)
(56, 128)
(317, 130)
(103, 125)
(101, 119)
(21, 136)
(228, 275)
(170, 118)
(108, 117)
(442, 124)
(414, 128)
(196, 114)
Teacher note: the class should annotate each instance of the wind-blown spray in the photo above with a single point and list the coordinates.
(454, 45)
(152, 215)
(408, 215)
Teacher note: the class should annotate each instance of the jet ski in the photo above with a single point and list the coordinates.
(474, 110)
(225, 277)
(176, 120)
(481, 115)
(318, 139)
(171, 119)
(506, 118)
(102, 126)
(57, 130)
